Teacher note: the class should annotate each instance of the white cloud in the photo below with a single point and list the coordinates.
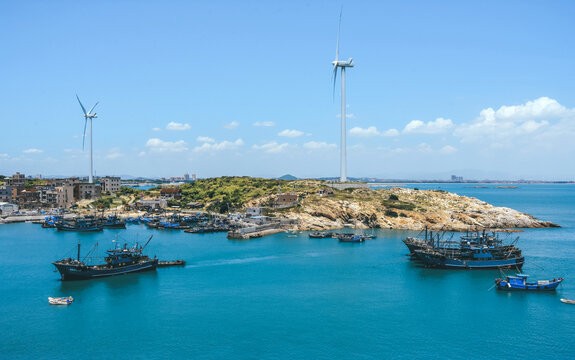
(231, 125)
(543, 107)
(315, 145)
(264, 123)
(214, 146)
(271, 147)
(158, 145)
(156, 129)
(290, 133)
(431, 127)
(205, 139)
(534, 117)
(3, 156)
(142, 153)
(372, 131)
(177, 126)
(447, 150)
(391, 132)
(32, 151)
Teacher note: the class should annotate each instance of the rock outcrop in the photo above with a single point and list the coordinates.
(405, 209)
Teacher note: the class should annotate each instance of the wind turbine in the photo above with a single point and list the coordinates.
(88, 115)
(341, 64)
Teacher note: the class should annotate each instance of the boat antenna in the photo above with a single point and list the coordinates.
(89, 252)
(147, 242)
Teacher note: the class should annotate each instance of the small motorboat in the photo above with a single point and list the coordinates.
(60, 300)
(519, 282)
(567, 301)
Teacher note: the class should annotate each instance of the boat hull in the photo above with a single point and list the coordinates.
(438, 261)
(81, 272)
(506, 286)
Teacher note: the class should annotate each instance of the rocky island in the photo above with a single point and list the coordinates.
(321, 205)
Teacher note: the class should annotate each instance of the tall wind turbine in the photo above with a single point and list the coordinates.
(88, 115)
(341, 64)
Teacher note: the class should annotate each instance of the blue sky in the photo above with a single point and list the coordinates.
(478, 89)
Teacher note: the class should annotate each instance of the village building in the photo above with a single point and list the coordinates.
(171, 193)
(7, 208)
(5, 193)
(110, 184)
(151, 204)
(253, 211)
(286, 200)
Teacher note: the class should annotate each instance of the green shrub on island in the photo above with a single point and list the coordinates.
(393, 197)
(400, 205)
(391, 213)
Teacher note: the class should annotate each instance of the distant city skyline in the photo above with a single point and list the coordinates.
(480, 90)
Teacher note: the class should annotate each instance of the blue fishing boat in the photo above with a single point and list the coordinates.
(519, 282)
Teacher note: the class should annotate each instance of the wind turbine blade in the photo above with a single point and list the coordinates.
(84, 136)
(97, 102)
(338, 32)
(83, 109)
(334, 78)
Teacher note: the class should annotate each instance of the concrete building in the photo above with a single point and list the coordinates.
(152, 204)
(87, 191)
(28, 198)
(110, 184)
(5, 193)
(17, 180)
(286, 200)
(171, 193)
(7, 208)
(65, 195)
(253, 211)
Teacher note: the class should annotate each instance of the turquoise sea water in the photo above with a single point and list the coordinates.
(282, 297)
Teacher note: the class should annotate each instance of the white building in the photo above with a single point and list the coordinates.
(7, 208)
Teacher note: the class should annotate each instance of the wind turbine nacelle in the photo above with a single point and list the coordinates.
(342, 63)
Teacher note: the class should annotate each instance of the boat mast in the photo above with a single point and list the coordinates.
(78, 250)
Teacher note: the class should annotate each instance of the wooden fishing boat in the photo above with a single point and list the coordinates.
(60, 300)
(350, 238)
(567, 301)
(519, 282)
(320, 235)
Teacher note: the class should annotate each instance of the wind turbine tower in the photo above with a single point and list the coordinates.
(88, 115)
(342, 64)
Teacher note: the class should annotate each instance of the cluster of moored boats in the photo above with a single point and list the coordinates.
(89, 223)
(476, 250)
(342, 237)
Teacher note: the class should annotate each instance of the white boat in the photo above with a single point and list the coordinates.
(60, 300)
(567, 301)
